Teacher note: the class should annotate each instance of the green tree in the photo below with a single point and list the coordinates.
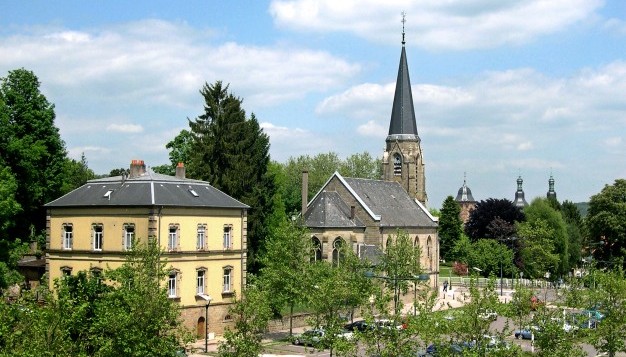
(575, 230)
(77, 173)
(137, 318)
(540, 209)
(400, 264)
(450, 227)
(362, 165)
(606, 222)
(232, 153)
(9, 206)
(610, 297)
(286, 262)
(180, 151)
(538, 253)
(489, 255)
(251, 315)
(30, 145)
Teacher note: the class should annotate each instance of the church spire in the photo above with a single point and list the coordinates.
(551, 193)
(402, 125)
(403, 160)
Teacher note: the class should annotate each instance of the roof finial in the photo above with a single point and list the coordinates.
(403, 21)
(464, 177)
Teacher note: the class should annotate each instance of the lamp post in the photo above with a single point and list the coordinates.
(208, 299)
(500, 277)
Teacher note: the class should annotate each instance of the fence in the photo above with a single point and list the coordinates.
(506, 283)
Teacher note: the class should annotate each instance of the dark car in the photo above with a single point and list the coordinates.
(454, 348)
(309, 337)
(527, 332)
(359, 325)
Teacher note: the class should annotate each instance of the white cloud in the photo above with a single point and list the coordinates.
(436, 24)
(373, 129)
(125, 128)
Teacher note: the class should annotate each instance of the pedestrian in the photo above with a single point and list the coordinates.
(445, 286)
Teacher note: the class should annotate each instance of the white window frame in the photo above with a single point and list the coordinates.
(98, 236)
(201, 237)
(68, 236)
(129, 236)
(172, 283)
(227, 237)
(227, 278)
(200, 281)
(172, 238)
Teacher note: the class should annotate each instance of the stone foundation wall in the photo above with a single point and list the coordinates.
(217, 323)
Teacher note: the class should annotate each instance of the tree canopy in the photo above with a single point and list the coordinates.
(606, 222)
(450, 227)
(32, 154)
(232, 153)
(485, 212)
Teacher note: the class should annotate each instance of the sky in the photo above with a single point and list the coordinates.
(501, 88)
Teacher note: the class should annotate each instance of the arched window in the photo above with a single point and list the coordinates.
(429, 252)
(337, 251)
(397, 165)
(316, 255)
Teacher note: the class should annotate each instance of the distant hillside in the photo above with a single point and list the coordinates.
(582, 208)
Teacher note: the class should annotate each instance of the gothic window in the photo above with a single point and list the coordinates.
(337, 251)
(317, 250)
(429, 253)
(397, 165)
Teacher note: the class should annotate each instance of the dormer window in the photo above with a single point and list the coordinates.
(397, 165)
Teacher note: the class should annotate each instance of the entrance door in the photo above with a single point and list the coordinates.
(200, 328)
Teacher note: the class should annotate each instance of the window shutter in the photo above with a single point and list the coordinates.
(178, 239)
(93, 235)
(62, 236)
(123, 236)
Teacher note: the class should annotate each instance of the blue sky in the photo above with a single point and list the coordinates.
(501, 88)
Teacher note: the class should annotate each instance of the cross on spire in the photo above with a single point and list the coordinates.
(403, 22)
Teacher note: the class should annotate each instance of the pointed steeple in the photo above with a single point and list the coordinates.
(520, 201)
(403, 125)
(403, 159)
(551, 193)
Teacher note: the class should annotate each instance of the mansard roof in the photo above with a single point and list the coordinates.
(385, 202)
(147, 189)
(402, 125)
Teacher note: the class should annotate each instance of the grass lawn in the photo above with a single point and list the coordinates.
(446, 271)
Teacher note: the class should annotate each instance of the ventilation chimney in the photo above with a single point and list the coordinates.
(305, 191)
(180, 170)
(352, 211)
(137, 168)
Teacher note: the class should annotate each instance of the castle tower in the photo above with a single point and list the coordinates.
(520, 201)
(402, 159)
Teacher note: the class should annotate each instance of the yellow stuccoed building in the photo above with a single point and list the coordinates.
(201, 230)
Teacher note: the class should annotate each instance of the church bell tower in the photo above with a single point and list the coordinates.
(402, 159)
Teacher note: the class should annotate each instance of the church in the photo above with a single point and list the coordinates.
(363, 213)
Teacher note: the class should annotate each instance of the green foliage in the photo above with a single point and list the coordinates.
(286, 264)
(606, 222)
(485, 212)
(538, 253)
(232, 153)
(9, 206)
(319, 168)
(124, 312)
(554, 340)
(489, 256)
(251, 315)
(77, 173)
(462, 249)
(450, 227)
(32, 150)
(541, 209)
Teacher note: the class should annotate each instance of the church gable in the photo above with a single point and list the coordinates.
(329, 210)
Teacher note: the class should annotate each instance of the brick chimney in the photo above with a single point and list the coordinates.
(137, 168)
(180, 170)
(305, 191)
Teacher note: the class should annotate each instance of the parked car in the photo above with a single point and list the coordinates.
(454, 349)
(494, 343)
(359, 325)
(389, 324)
(309, 337)
(316, 336)
(593, 314)
(527, 332)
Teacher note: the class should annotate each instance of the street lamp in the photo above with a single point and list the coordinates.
(208, 299)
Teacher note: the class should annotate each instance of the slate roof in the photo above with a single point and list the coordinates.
(386, 202)
(464, 194)
(148, 189)
(402, 125)
(329, 210)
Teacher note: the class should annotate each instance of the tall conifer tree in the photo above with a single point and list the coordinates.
(232, 153)
(450, 226)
